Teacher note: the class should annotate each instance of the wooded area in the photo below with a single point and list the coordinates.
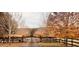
(59, 25)
(64, 24)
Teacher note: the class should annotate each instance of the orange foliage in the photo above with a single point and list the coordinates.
(64, 24)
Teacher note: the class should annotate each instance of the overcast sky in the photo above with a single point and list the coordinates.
(31, 19)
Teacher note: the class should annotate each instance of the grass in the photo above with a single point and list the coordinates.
(51, 44)
(31, 44)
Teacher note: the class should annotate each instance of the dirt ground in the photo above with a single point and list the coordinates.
(31, 44)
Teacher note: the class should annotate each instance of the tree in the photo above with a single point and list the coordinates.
(64, 22)
(7, 23)
(32, 32)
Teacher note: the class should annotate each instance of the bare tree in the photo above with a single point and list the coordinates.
(64, 22)
(7, 23)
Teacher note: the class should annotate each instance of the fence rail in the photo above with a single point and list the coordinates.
(71, 42)
(67, 42)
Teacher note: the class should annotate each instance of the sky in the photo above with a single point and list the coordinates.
(31, 19)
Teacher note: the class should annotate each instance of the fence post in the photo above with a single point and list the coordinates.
(66, 41)
(22, 39)
(50, 39)
(40, 39)
(72, 42)
(59, 40)
(12, 39)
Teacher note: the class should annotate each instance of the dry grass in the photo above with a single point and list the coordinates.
(31, 44)
(51, 44)
(14, 44)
